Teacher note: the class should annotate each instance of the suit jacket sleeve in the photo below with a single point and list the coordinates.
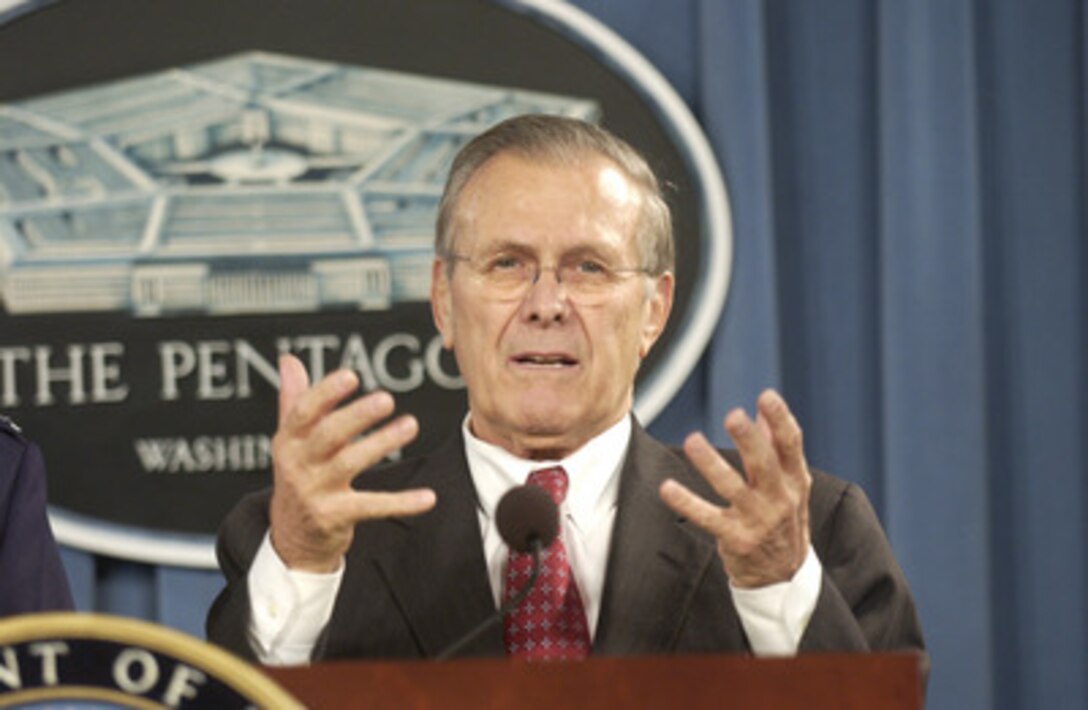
(667, 590)
(864, 603)
(411, 586)
(32, 578)
(239, 537)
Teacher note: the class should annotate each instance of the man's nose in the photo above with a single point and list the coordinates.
(546, 298)
(539, 271)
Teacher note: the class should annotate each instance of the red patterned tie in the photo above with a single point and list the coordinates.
(550, 623)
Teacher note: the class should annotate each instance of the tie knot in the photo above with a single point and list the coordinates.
(553, 480)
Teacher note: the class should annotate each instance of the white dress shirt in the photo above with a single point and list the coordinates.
(290, 608)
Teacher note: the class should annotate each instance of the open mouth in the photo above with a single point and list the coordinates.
(545, 360)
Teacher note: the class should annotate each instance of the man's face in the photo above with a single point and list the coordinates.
(550, 366)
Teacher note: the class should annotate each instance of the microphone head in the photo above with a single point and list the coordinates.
(525, 514)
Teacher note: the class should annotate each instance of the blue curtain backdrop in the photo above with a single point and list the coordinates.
(908, 187)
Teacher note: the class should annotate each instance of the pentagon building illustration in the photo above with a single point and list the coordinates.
(253, 184)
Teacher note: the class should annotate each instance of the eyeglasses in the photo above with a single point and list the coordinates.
(509, 276)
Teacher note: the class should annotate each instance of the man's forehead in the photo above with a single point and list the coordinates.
(575, 166)
(616, 186)
(593, 183)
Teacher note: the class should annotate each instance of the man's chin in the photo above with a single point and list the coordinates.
(551, 426)
(554, 433)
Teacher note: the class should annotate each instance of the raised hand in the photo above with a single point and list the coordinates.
(763, 532)
(317, 451)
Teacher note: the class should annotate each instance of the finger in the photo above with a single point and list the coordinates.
(371, 505)
(314, 403)
(372, 448)
(763, 424)
(785, 432)
(760, 458)
(337, 428)
(294, 381)
(722, 477)
(686, 504)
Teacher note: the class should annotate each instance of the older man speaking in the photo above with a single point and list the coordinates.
(553, 278)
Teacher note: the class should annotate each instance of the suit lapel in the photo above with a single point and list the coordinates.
(656, 560)
(436, 569)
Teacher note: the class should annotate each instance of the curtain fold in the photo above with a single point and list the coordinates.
(1033, 122)
(744, 357)
(933, 357)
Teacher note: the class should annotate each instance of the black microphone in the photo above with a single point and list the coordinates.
(527, 514)
(528, 521)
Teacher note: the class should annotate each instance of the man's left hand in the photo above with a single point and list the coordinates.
(762, 531)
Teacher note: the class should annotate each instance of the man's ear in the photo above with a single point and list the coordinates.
(441, 304)
(658, 307)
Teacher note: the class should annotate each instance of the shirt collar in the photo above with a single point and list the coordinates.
(592, 472)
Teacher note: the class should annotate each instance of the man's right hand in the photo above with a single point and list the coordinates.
(317, 451)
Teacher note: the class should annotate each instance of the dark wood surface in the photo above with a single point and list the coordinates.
(840, 681)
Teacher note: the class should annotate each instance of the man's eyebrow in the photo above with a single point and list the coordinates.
(591, 250)
(508, 246)
(578, 251)
(511, 245)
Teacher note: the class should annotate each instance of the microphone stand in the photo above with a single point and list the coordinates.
(535, 547)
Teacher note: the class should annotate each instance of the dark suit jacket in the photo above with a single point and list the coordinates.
(414, 586)
(31, 576)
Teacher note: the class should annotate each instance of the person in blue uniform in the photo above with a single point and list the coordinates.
(31, 576)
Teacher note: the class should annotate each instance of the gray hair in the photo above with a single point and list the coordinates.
(562, 140)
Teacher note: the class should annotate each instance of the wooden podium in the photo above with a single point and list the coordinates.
(812, 682)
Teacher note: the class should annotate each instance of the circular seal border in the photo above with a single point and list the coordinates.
(227, 668)
(654, 393)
